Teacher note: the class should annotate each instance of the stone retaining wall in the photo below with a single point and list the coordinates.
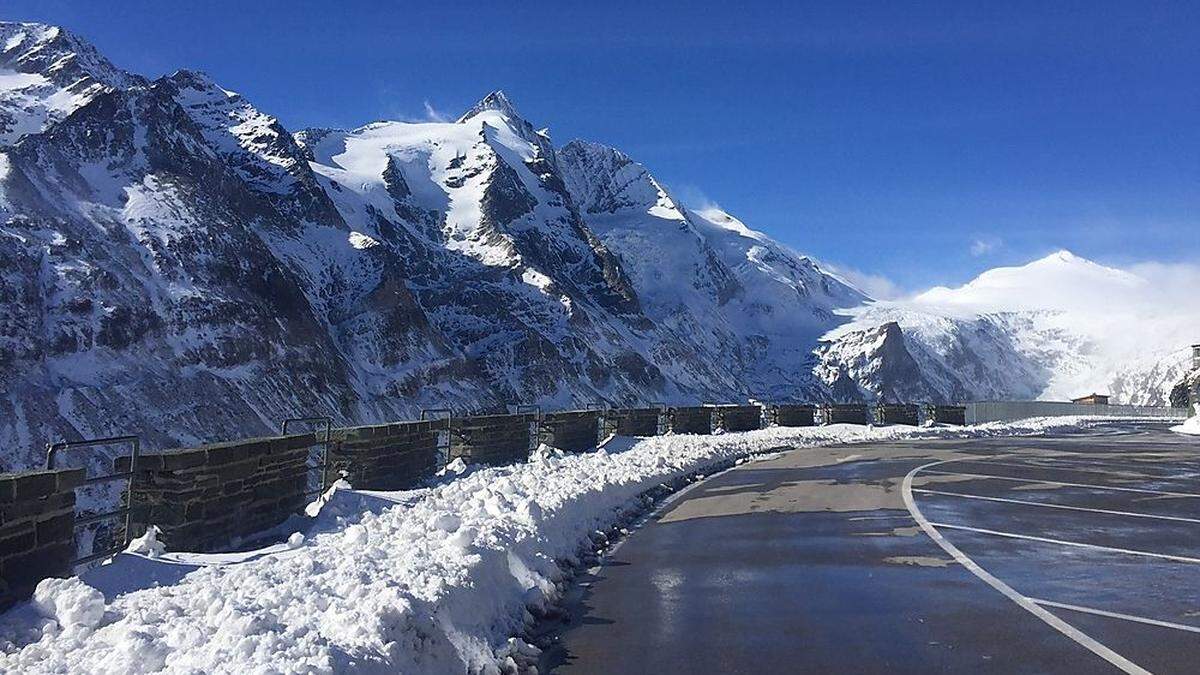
(574, 431)
(844, 413)
(491, 439)
(795, 415)
(37, 529)
(738, 417)
(634, 421)
(692, 420)
(946, 414)
(208, 498)
(890, 413)
(385, 456)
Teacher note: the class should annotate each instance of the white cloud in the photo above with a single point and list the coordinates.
(985, 246)
(877, 286)
(693, 198)
(434, 115)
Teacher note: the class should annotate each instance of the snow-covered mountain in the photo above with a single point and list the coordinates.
(1056, 328)
(177, 264)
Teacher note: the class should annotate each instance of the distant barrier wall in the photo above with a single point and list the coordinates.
(205, 498)
(385, 456)
(794, 415)
(492, 439)
(738, 417)
(692, 420)
(898, 413)
(1000, 411)
(574, 430)
(634, 421)
(845, 413)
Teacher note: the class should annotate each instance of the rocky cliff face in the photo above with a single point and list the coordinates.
(177, 264)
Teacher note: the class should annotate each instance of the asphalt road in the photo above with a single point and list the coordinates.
(1071, 554)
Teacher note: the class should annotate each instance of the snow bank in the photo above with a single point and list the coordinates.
(432, 581)
(1191, 425)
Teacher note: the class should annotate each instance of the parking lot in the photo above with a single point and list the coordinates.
(1069, 554)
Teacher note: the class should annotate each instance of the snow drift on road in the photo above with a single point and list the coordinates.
(437, 580)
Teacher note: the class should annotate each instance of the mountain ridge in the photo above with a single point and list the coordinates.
(181, 265)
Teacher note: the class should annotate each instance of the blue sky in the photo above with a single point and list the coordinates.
(922, 142)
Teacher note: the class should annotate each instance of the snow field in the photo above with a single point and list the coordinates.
(445, 579)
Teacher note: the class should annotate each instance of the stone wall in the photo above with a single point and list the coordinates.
(573, 431)
(897, 413)
(491, 439)
(634, 421)
(37, 529)
(844, 413)
(738, 417)
(692, 420)
(795, 415)
(386, 456)
(208, 498)
(946, 414)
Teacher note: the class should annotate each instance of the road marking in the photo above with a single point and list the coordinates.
(1057, 506)
(1151, 466)
(1117, 615)
(1063, 468)
(1064, 542)
(1066, 484)
(1096, 647)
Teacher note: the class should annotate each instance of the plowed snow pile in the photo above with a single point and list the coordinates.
(437, 580)
(1191, 426)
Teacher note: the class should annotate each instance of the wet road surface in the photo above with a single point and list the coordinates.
(816, 561)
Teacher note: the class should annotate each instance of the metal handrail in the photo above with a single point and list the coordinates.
(135, 444)
(327, 422)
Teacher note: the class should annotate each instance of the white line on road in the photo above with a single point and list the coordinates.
(1066, 484)
(1064, 542)
(1057, 506)
(1061, 467)
(1096, 647)
(1117, 615)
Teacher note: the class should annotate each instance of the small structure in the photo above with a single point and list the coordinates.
(1091, 399)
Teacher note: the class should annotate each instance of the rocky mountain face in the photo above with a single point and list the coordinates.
(175, 263)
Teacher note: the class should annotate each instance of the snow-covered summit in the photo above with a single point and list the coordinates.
(46, 73)
(496, 101)
(1061, 280)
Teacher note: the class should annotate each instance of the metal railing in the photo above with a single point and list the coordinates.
(322, 465)
(126, 510)
(443, 439)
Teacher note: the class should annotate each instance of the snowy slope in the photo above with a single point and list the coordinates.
(1056, 328)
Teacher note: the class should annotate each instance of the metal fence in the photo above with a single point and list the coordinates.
(1002, 411)
(114, 541)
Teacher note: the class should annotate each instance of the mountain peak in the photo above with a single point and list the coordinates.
(497, 101)
(57, 54)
